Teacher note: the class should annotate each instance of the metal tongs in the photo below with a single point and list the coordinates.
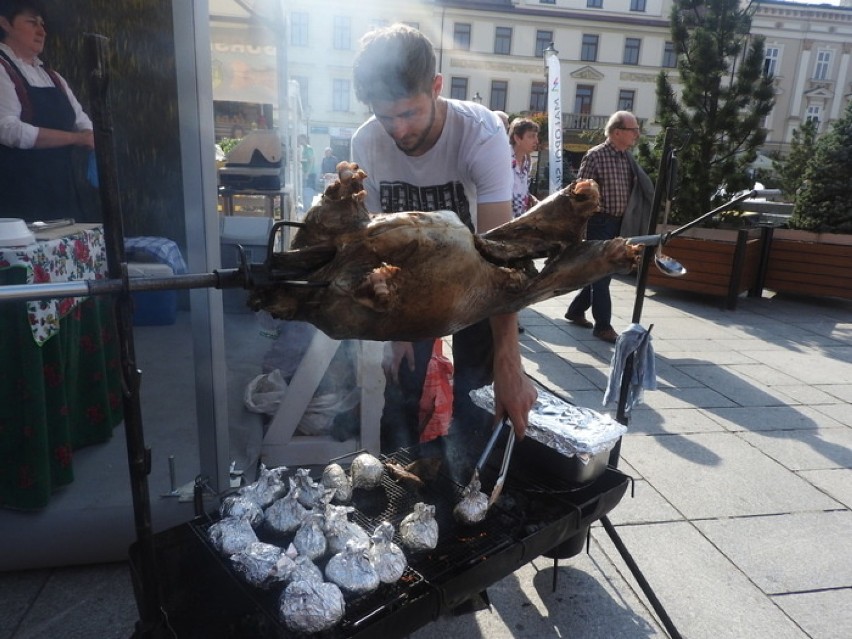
(504, 467)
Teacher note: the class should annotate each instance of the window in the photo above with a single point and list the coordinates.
(813, 114)
(542, 41)
(770, 61)
(626, 97)
(538, 96)
(458, 88)
(340, 95)
(299, 29)
(823, 62)
(583, 99)
(461, 36)
(499, 90)
(594, 4)
(631, 50)
(303, 89)
(503, 40)
(589, 48)
(342, 34)
(547, 1)
(669, 56)
(637, 5)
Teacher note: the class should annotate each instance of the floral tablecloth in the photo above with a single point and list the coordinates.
(62, 390)
(80, 255)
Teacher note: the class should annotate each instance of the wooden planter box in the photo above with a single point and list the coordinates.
(719, 262)
(804, 263)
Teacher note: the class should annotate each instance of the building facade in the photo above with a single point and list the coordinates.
(491, 51)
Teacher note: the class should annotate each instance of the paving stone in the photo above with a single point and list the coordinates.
(673, 420)
(708, 475)
(810, 395)
(705, 595)
(843, 392)
(808, 368)
(770, 418)
(699, 397)
(841, 413)
(805, 449)
(836, 483)
(808, 609)
(647, 506)
(787, 553)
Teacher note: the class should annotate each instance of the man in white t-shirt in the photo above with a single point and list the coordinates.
(423, 152)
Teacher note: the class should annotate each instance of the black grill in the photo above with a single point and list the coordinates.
(204, 597)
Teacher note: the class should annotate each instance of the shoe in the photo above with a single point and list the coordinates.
(579, 319)
(607, 334)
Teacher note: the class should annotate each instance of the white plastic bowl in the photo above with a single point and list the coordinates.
(14, 232)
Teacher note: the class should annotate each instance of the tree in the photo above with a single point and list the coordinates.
(724, 97)
(791, 168)
(824, 201)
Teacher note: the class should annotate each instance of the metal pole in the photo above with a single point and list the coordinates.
(138, 456)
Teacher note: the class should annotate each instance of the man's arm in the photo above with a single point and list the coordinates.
(514, 393)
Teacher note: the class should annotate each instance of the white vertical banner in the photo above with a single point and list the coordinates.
(554, 118)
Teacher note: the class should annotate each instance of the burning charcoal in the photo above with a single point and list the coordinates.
(473, 506)
(335, 478)
(307, 606)
(310, 539)
(231, 535)
(311, 493)
(239, 506)
(419, 530)
(339, 530)
(286, 514)
(258, 564)
(387, 558)
(352, 570)
(366, 471)
(269, 486)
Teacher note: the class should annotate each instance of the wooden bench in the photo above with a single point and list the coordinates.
(816, 268)
(722, 266)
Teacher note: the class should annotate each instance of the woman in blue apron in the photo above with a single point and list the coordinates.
(40, 122)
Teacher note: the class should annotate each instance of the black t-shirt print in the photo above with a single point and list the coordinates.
(397, 197)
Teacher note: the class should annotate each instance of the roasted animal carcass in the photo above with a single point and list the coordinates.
(406, 276)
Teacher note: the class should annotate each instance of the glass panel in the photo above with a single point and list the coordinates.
(583, 99)
(503, 40)
(631, 50)
(461, 36)
(458, 88)
(538, 96)
(542, 41)
(589, 48)
(499, 91)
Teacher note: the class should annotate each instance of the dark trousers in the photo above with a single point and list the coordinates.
(596, 295)
(473, 359)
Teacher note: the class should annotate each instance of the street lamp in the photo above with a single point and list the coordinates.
(477, 98)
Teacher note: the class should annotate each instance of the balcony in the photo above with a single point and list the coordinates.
(588, 122)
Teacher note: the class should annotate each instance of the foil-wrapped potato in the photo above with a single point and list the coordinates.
(308, 606)
(366, 471)
(352, 570)
(231, 535)
(335, 478)
(419, 529)
(387, 558)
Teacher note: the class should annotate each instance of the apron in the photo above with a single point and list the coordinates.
(38, 184)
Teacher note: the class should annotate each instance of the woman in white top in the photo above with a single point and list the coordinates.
(523, 136)
(40, 122)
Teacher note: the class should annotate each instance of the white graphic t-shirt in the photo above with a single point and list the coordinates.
(467, 165)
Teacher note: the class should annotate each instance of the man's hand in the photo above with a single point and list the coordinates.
(514, 393)
(395, 354)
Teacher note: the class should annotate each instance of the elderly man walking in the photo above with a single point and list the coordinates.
(627, 194)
